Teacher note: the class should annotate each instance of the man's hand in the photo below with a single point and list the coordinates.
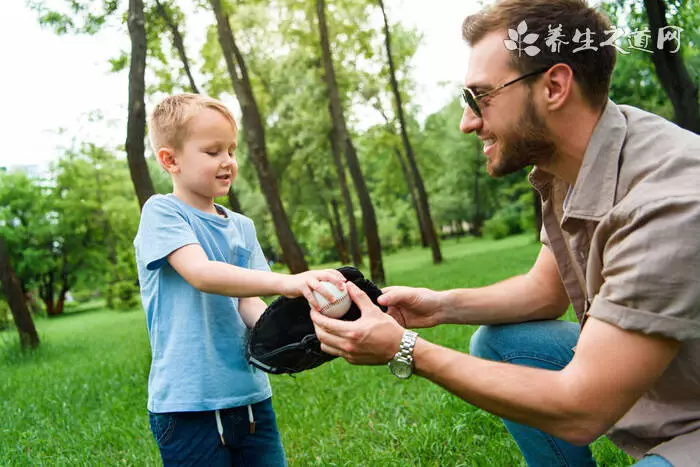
(412, 307)
(373, 339)
(305, 283)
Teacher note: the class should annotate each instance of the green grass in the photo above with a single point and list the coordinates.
(80, 398)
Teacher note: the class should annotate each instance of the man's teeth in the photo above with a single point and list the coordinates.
(489, 142)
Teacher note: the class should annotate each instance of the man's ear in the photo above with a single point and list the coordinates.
(558, 85)
(166, 157)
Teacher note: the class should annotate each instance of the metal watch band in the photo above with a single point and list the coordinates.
(408, 341)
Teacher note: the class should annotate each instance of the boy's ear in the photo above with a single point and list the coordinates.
(166, 157)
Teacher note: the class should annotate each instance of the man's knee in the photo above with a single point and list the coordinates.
(489, 341)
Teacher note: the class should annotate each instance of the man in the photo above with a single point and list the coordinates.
(621, 243)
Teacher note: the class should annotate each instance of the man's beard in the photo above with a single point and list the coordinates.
(529, 143)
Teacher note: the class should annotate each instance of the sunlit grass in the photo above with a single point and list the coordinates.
(80, 399)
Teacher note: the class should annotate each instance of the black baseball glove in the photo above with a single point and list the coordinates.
(284, 341)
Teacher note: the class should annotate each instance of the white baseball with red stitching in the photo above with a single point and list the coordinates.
(339, 306)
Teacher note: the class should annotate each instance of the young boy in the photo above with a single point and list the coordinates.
(201, 271)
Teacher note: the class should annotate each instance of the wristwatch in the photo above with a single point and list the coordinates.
(402, 363)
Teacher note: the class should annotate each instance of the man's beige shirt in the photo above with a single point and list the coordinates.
(627, 244)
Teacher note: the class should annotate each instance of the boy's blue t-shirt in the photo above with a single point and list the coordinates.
(197, 339)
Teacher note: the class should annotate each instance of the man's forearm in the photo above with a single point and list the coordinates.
(530, 396)
(513, 300)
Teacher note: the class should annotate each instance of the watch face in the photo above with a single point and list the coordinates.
(400, 368)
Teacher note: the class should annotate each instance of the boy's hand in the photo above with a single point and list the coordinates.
(305, 283)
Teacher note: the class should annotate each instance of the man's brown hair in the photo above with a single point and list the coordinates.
(592, 68)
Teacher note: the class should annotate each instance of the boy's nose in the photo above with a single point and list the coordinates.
(469, 122)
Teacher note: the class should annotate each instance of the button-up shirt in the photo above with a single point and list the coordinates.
(627, 245)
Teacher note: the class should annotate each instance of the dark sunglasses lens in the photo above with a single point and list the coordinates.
(471, 102)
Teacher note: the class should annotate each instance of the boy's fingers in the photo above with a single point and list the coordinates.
(309, 296)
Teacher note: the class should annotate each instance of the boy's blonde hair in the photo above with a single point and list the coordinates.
(168, 123)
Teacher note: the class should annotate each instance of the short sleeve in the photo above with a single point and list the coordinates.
(257, 257)
(651, 270)
(163, 229)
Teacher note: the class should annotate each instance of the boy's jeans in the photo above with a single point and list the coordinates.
(192, 438)
(540, 344)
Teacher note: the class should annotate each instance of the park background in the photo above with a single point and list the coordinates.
(341, 162)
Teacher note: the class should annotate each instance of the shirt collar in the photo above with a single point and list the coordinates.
(593, 194)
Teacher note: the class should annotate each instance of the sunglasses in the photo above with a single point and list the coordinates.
(471, 99)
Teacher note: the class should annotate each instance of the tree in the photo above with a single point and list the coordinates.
(369, 220)
(254, 132)
(672, 72)
(167, 15)
(136, 122)
(415, 180)
(12, 289)
(639, 78)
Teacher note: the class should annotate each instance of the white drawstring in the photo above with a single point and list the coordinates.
(220, 427)
(250, 419)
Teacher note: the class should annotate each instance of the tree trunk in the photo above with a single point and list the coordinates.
(234, 202)
(340, 243)
(64, 286)
(672, 73)
(12, 288)
(254, 133)
(347, 200)
(178, 43)
(46, 294)
(369, 220)
(423, 206)
(331, 215)
(414, 200)
(136, 123)
(477, 221)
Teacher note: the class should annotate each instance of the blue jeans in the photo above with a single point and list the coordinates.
(192, 438)
(539, 344)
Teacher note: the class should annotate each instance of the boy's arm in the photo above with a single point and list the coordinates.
(192, 263)
(250, 309)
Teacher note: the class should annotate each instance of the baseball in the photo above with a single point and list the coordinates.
(340, 304)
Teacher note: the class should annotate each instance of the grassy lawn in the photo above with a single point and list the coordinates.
(80, 399)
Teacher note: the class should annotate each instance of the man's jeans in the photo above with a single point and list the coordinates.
(539, 344)
(192, 438)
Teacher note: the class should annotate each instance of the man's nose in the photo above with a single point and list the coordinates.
(469, 122)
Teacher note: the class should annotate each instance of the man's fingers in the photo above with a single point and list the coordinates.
(360, 298)
(398, 316)
(331, 350)
(328, 339)
(390, 296)
(331, 325)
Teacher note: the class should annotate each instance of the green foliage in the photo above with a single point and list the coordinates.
(75, 16)
(74, 229)
(634, 80)
(123, 295)
(5, 315)
(516, 212)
